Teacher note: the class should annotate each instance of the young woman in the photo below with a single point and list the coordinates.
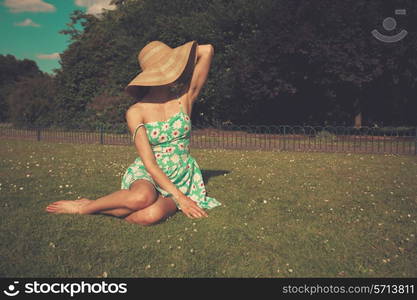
(164, 177)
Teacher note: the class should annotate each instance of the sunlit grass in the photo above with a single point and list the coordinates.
(284, 215)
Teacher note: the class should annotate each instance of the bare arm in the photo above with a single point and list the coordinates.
(147, 156)
(204, 57)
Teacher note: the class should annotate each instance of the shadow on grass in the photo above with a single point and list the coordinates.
(207, 174)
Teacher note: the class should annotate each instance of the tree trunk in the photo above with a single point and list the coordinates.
(358, 120)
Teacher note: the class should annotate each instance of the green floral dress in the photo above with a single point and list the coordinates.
(170, 141)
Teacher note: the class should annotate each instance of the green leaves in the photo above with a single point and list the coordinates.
(275, 60)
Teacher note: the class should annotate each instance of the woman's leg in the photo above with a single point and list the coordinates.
(141, 194)
(158, 211)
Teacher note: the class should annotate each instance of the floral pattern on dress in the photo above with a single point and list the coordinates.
(170, 141)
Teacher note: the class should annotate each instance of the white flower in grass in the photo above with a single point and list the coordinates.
(177, 124)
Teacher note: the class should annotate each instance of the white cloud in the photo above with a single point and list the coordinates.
(27, 22)
(48, 56)
(17, 6)
(95, 7)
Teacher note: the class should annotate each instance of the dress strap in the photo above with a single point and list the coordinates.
(136, 130)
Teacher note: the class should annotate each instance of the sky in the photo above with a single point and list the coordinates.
(30, 28)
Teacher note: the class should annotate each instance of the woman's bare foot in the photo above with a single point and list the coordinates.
(67, 206)
(84, 200)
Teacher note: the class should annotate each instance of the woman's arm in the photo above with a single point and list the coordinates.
(189, 207)
(204, 57)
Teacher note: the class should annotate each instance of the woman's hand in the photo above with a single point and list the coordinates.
(190, 207)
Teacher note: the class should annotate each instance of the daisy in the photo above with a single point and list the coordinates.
(162, 137)
(165, 127)
(186, 127)
(175, 133)
(177, 124)
(175, 158)
(154, 133)
(138, 173)
(197, 177)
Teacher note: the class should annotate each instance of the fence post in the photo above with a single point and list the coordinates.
(38, 134)
(101, 135)
(415, 143)
(284, 139)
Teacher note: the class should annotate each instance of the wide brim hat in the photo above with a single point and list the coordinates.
(160, 65)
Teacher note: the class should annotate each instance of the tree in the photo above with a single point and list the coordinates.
(31, 101)
(279, 61)
(13, 70)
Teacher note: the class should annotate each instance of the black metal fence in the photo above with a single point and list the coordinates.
(394, 140)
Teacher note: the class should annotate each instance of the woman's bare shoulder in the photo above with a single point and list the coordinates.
(135, 112)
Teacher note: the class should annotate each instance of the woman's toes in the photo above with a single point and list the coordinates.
(51, 208)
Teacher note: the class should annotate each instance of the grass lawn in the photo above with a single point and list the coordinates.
(283, 215)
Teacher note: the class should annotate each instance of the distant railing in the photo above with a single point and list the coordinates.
(395, 140)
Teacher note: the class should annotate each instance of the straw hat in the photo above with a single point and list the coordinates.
(160, 65)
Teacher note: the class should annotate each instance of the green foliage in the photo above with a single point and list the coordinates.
(13, 70)
(278, 61)
(31, 101)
